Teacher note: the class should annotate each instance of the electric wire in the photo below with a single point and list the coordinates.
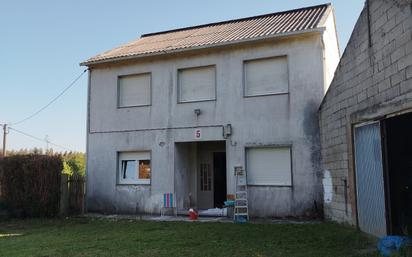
(39, 139)
(52, 101)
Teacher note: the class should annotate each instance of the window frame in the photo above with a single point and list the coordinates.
(179, 101)
(138, 182)
(262, 59)
(288, 146)
(131, 75)
(205, 177)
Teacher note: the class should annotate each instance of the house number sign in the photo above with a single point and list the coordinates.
(198, 133)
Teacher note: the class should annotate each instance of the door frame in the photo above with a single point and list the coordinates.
(363, 117)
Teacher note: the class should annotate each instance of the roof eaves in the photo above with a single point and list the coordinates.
(325, 15)
(180, 50)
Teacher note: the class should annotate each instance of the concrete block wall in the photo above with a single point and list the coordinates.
(373, 78)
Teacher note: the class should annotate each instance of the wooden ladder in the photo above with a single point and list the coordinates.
(241, 212)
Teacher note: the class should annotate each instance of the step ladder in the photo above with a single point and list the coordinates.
(241, 212)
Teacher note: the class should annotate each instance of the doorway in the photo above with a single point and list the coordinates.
(219, 179)
(383, 172)
(398, 170)
(200, 175)
(211, 174)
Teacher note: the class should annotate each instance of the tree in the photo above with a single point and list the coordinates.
(74, 164)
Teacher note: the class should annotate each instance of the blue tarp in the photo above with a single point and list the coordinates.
(392, 244)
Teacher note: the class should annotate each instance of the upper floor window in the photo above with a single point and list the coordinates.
(197, 84)
(134, 90)
(266, 76)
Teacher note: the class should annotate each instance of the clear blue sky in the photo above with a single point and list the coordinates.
(42, 43)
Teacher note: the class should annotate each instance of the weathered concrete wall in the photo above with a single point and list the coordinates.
(331, 54)
(370, 82)
(185, 174)
(265, 120)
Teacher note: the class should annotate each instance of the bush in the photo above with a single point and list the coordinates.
(30, 185)
(74, 164)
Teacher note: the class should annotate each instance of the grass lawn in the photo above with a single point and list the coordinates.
(96, 237)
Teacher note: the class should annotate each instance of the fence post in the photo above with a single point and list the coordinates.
(82, 186)
(64, 195)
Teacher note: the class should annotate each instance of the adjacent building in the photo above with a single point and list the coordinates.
(176, 111)
(366, 124)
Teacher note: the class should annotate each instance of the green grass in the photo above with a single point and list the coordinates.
(93, 237)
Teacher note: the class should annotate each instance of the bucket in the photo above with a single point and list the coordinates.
(192, 214)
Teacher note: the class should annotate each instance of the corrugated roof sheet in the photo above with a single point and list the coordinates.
(212, 34)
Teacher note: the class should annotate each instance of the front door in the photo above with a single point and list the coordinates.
(205, 180)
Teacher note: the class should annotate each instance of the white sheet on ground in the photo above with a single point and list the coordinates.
(216, 212)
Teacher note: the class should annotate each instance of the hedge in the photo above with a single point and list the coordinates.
(30, 185)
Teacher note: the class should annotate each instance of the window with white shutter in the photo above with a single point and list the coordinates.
(269, 166)
(197, 84)
(266, 76)
(134, 90)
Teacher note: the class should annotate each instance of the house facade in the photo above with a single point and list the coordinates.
(177, 111)
(365, 121)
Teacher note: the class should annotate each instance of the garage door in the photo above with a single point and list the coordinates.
(369, 179)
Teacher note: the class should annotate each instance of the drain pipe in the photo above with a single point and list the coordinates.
(345, 192)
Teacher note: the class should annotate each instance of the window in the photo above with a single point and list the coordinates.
(134, 168)
(197, 84)
(134, 90)
(269, 166)
(205, 177)
(266, 76)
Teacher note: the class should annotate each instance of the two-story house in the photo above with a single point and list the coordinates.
(176, 111)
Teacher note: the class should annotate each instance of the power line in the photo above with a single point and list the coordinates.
(39, 139)
(52, 101)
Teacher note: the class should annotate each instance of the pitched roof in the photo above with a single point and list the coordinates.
(212, 34)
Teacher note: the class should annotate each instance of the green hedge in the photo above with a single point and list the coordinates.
(30, 185)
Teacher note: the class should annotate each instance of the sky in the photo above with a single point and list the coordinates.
(42, 43)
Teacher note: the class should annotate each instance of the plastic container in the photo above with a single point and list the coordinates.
(193, 214)
(230, 203)
(240, 219)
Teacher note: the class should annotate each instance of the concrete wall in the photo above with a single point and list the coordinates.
(371, 81)
(331, 55)
(265, 120)
(185, 174)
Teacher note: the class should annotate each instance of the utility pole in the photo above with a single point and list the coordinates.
(4, 139)
(46, 138)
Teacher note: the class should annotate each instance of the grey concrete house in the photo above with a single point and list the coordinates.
(176, 111)
(366, 124)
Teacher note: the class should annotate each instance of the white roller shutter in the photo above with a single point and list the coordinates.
(134, 90)
(266, 76)
(269, 166)
(197, 84)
